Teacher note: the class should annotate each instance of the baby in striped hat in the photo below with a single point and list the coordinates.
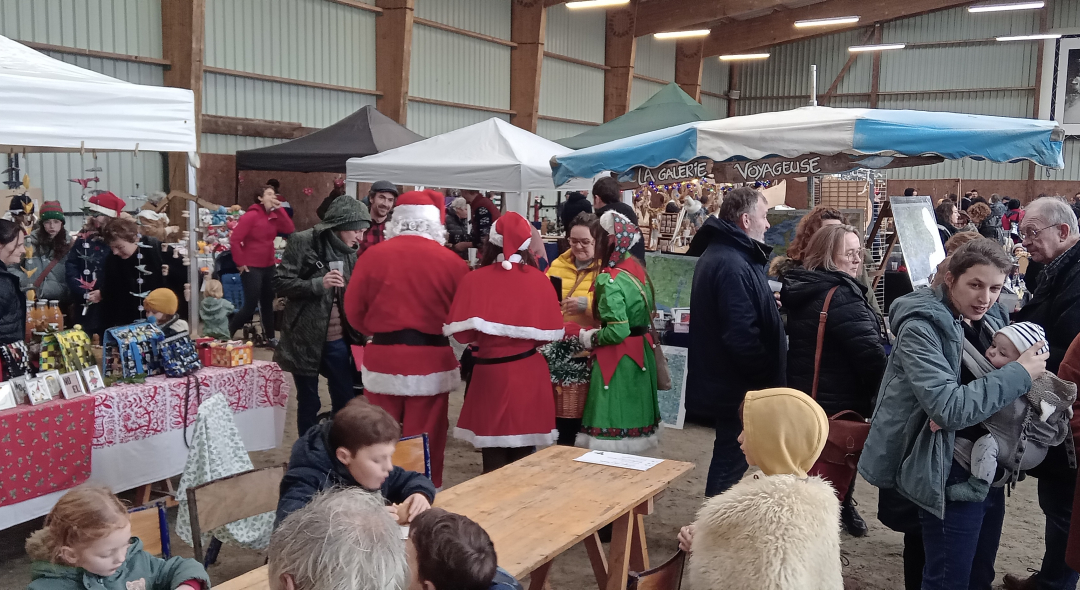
(1019, 434)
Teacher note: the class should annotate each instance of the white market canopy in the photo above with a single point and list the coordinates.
(492, 155)
(47, 105)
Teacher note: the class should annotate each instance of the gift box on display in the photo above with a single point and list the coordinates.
(231, 354)
(204, 346)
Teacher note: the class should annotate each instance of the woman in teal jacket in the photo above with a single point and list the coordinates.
(925, 381)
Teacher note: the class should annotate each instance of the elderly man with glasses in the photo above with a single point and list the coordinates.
(1050, 234)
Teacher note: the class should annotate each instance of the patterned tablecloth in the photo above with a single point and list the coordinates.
(130, 412)
(47, 448)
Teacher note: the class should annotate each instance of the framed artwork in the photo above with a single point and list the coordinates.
(7, 395)
(680, 319)
(72, 385)
(1060, 93)
(919, 238)
(52, 383)
(94, 381)
(673, 401)
(37, 391)
(18, 385)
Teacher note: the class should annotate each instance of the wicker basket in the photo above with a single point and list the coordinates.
(570, 400)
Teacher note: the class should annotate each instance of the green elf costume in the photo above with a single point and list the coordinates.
(621, 413)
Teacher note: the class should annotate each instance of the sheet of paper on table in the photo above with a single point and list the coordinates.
(619, 460)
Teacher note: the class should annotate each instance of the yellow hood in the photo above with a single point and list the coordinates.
(785, 430)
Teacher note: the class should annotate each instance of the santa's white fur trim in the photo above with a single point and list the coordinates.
(411, 385)
(508, 441)
(425, 228)
(625, 445)
(607, 221)
(101, 210)
(494, 329)
(494, 236)
(428, 212)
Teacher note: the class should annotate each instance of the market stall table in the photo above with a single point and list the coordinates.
(138, 429)
(537, 508)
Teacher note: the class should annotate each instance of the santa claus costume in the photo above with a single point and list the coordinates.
(400, 295)
(506, 310)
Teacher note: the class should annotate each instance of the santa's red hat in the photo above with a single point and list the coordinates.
(419, 206)
(106, 203)
(513, 234)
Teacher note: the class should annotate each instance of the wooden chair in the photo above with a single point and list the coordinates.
(412, 454)
(665, 577)
(150, 524)
(230, 499)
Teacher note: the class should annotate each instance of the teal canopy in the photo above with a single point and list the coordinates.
(668, 107)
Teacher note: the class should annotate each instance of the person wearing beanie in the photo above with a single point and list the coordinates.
(622, 411)
(42, 270)
(778, 530)
(506, 310)
(380, 201)
(315, 339)
(161, 304)
(214, 310)
(400, 295)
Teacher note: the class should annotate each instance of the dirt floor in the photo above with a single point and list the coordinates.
(873, 561)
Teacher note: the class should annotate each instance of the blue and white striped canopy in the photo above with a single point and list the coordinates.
(826, 131)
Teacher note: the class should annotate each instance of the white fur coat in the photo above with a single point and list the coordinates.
(769, 533)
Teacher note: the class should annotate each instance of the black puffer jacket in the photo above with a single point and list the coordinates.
(575, 204)
(853, 353)
(12, 308)
(1055, 305)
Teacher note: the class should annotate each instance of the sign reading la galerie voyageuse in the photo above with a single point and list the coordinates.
(672, 172)
(768, 168)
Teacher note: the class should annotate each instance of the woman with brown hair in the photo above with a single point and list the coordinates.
(136, 266)
(853, 350)
(43, 269)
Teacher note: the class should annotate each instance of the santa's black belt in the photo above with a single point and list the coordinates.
(639, 330)
(504, 359)
(410, 337)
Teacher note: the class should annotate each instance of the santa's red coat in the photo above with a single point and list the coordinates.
(406, 282)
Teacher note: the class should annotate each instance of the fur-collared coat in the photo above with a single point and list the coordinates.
(774, 532)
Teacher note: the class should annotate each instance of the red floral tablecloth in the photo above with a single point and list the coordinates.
(45, 448)
(125, 413)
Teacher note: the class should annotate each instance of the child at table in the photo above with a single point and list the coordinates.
(779, 529)
(353, 448)
(87, 545)
(161, 304)
(448, 551)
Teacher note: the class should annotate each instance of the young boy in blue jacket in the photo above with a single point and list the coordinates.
(353, 449)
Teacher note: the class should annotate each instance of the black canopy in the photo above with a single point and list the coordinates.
(365, 132)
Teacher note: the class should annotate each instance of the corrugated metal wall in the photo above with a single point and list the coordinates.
(430, 119)
(233, 96)
(654, 58)
(571, 91)
(131, 27)
(122, 173)
(488, 17)
(556, 130)
(715, 77)
(578, 34)
(311, 40)
(213, 143)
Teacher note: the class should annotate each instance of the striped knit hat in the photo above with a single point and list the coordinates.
(1024, 335)
(52, 210)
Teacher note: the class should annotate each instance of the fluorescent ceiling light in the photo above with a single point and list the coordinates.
(682, 34)
(596, 3)
(1031, 37)
(825, 22)
(884, 47)
(743, 56)
(1012, 6)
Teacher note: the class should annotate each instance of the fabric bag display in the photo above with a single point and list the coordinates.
(132, 350)
(14, 360)
(178, 355)
(847, 430)
(66, 351)
(217, 451)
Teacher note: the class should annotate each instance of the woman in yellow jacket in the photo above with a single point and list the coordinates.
(577, 267)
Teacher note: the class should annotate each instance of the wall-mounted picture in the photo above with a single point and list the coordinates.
(1063, 87)
(72, 385)
(37, 391)
(52, 383)
(7, 395)
(93, 379)
(18, 385)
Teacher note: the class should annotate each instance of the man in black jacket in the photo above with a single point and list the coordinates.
(737, 340)
(576, 203)
(1050, 235)
(608, 197)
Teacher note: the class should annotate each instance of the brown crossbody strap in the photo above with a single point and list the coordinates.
(48, 269)
(822, 318)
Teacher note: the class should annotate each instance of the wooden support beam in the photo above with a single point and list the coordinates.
(852, 56)
(659, 16)
(393, 55)
(183, 45)
(619, 46)
(875, 69)
(733, 84)
(528, 21)
(776, 28)
(253, 127)
(688, 63)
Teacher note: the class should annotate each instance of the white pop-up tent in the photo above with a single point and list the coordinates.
(52, 106)
(491, 155)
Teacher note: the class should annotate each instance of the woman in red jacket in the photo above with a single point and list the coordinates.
(253, 252)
